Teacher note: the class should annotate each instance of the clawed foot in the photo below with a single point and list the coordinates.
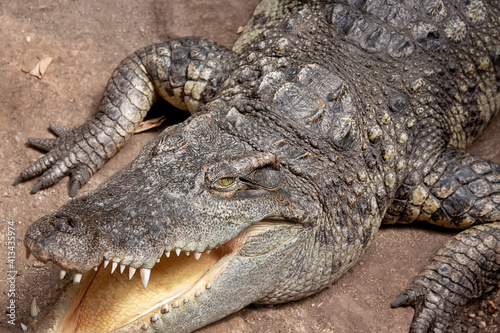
(70, 153)
(433, 305)
(465, 268)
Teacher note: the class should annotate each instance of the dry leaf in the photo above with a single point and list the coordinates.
(492, 307)
(150, 123)
(41, 67)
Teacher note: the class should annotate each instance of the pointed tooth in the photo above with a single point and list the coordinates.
(145, 276)
(165, 309)
(197, 255)
(175, 304)
(77, 278)
(28, 254)
(106, 262)
(113, 266)
(198, 294)
(95, 268)
(178, 251)
(62, 274)
(122, 268)
(158, 260)
(167, 254)
(131, 272)
(34, 310)
(208, 251)
(187, 253)
(154, 318)
(24, 327)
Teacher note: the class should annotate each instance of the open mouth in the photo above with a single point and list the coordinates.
(106, 301)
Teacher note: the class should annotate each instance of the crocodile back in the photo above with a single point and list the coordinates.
(432, 62)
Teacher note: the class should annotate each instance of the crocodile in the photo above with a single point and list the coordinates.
(325, 120)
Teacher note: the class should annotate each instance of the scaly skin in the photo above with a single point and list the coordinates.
(326, 120)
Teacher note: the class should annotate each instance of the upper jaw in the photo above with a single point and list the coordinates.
(86, 245)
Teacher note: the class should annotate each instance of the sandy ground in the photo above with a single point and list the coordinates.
(86, 40)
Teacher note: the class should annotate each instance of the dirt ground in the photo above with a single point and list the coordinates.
(86, 40)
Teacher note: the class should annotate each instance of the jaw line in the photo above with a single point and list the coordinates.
(169, 293)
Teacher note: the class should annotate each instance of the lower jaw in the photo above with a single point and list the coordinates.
(105, 301)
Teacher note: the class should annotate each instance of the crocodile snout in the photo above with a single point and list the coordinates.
(64, 223)
(64, 240)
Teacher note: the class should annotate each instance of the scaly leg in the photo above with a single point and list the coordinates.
(459, 191)
(186, 72)
(465, 268)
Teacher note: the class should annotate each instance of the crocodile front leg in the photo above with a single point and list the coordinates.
(187, 72)
(458, 191)
(465, 268)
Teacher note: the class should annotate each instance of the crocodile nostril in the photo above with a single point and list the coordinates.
(63, 223)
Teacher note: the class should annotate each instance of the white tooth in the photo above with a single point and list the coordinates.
(131, 272)
(24, 327)
(122, 268)
(208, 286)
(175, 304)
(154, 318)
(178, 251)
(34, 310)
(106, 262)
(77, 278)
(186, 300)
(158, 260)
(208, 251)
(167, 254)
(198, 294)
(95, 268)
(187, 253)
(145, 276)
(62, 274)
(165, 309)
(113, 266)
(197, 255)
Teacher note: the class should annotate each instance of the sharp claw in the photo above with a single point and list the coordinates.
(17, 181)
(401, 300)
(36, 187)
(75, 186)
(60, 130)
(43, 143)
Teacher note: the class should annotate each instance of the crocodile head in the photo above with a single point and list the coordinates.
(215, 211)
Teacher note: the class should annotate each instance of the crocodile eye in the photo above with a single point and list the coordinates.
(226, 181)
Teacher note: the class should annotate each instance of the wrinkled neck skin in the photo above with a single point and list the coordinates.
(286, 225)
